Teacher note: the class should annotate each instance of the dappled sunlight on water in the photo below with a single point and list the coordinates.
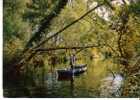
(89, 84)
(111, 86)
(93, 83)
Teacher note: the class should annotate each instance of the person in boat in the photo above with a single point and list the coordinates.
(72, 61)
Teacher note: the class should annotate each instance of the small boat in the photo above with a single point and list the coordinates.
(69, 73)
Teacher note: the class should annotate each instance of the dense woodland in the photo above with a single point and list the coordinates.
(43, 32)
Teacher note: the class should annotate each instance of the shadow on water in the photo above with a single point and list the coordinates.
(87, 84)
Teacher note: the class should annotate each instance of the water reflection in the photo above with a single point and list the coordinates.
(89, 84)
(111, 86)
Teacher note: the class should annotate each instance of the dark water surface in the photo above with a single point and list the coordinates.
(87, 84)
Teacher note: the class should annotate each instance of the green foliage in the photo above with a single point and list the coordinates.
(119, 35)
(14, 10)
(135, 8)
(16, 30)
(37, 10)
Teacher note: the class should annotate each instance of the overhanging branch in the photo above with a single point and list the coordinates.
(31, 50)
(69, 47)
(67, 26)
(46, 21)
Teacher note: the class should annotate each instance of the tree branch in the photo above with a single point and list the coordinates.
(67, 26)
(46, 22)
(69, 47)
(32, 51)
(109, 4)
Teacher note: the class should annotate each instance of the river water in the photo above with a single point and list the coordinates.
(97, 81)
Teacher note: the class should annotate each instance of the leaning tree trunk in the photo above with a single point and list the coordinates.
(29, 53)
(14, 72)
(45, 23)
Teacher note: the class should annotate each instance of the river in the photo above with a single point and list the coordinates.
(97, 81)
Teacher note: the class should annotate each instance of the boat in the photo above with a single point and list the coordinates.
(69, 73)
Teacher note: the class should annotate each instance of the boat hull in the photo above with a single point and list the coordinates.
(69, 73)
